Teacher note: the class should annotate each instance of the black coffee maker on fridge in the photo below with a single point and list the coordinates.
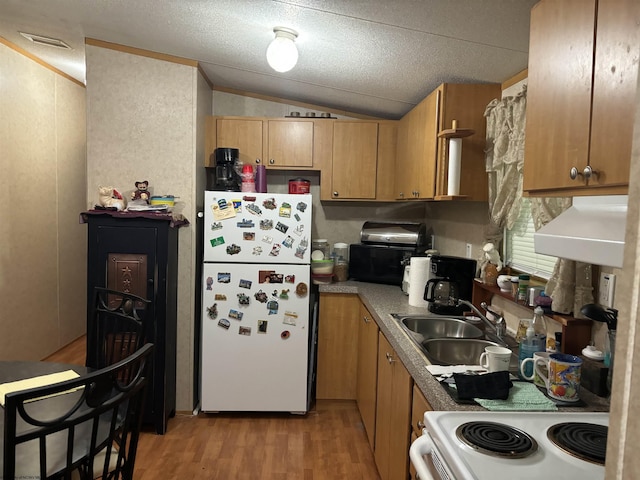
(223, 176)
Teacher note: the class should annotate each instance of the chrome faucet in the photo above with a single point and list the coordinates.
(499, 328)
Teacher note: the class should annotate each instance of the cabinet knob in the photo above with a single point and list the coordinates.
(366, 319)
(258, 161)
(573, 173)
(389, 357)
(589, 172)
(401, 195)
(420, 425)
(335, 194)
(272, 161)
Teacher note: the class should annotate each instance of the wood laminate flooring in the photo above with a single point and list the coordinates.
(327, 443)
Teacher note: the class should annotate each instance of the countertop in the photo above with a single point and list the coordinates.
(383, 300)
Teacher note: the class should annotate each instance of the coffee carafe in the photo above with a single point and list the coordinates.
(443, 295)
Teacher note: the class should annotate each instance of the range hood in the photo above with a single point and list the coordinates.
(592, 230)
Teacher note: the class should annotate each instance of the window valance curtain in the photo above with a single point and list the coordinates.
(570, 285)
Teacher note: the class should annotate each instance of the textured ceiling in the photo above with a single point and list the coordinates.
(375, 57)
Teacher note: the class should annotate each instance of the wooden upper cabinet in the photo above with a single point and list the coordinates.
(422, 162)
(580, 96)
(355, 158)
(244, 134)
(289, 143)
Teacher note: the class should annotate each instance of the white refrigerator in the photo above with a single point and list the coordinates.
(256, 320)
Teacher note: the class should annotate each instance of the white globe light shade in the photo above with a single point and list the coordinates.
(282, 54)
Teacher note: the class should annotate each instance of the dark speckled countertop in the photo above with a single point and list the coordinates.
(383, 300)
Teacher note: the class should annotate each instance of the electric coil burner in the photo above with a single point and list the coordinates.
(496, 439)
(586, 441)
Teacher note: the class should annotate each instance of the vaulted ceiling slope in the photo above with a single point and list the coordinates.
(373, 57)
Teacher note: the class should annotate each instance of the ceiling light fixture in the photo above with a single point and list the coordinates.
(48, 41)
(282, 54)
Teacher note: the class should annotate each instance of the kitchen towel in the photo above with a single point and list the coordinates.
(418, 276)
(523, 396)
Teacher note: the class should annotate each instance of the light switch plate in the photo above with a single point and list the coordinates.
(606, 289)
(468, 250)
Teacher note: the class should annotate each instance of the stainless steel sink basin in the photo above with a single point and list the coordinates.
(427, 327)
(459, 351)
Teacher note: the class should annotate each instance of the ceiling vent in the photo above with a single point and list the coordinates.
(48, 41)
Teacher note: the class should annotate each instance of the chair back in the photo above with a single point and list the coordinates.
(117, 328)
(88, 425)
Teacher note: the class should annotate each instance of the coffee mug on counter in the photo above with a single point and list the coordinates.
(528, 372)
(563, 378)
(495, 359)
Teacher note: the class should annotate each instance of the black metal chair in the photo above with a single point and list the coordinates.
(89, 425)
(117, 328)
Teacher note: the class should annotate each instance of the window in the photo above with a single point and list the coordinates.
(519, 252)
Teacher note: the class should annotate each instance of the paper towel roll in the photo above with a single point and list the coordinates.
(455, 154)
(418, 276)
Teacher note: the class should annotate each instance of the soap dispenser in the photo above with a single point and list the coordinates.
(528, 346)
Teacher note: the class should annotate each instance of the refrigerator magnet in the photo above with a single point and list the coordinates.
(262, 326)
(275, 250)
(257, 250)
(296, 216)
(249, 236)
(237, 205)
(212, 311)
(216, 226)
(209, 283)
(222, 210)
(285, 210)
(301, 289)
(290, 318)
(264, 276)
(243, 299)
(288, 242)
(285, 334)
(270, 203)
(301, 206)
(267, 239)
(224, 323)
(272, 307)
(290, 279)
(276, 277)
(217, 241)
(233, 249)
(260, 296)
(299, 229)
(235, 314)
(254, 209)
(302, 248)
(266, 224)
(224, 277)
(220, 297)
(246, 223)
(249, 198)
(281, 227)
(245, 283)
(284, 294)
(244, 330)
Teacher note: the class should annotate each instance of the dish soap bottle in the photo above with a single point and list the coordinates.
(540, 328)
(528, 346)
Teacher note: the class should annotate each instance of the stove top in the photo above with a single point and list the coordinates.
(523, 445)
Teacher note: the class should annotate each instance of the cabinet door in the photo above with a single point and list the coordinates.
(337, 341)
(559, 91)
(418, 149)
(243, 134)
(289, 143)
(614, 88)
(355, 156)
(367, 372)
(393, 414)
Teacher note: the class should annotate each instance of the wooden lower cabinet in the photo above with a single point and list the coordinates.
(367, 372)
(337, 346)
(393, 413)
(419, 406)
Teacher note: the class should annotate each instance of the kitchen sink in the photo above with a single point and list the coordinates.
(449, 340)
(423, 328)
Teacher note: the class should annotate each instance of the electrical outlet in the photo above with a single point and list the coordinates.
(606, 289)
(468, 250)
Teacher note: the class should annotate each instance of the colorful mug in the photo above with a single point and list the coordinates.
(563, 380)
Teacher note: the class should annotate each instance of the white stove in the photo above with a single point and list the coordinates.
(509, 445)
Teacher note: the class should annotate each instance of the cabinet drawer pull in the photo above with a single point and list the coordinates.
(335, 194)
(272, 161)
(258, 161)
(389, 357)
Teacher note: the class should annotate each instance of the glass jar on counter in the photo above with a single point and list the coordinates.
(322, 245)
(341, 270)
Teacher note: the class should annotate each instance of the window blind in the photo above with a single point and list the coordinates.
(519, 251)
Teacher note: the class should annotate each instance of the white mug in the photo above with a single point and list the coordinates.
(497, 358)
(534, 373)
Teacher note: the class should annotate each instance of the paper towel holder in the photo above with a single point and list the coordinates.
(454, 135)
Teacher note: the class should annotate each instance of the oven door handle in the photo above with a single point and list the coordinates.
(421, 446)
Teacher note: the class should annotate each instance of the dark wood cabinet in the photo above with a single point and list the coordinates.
(139, 254)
